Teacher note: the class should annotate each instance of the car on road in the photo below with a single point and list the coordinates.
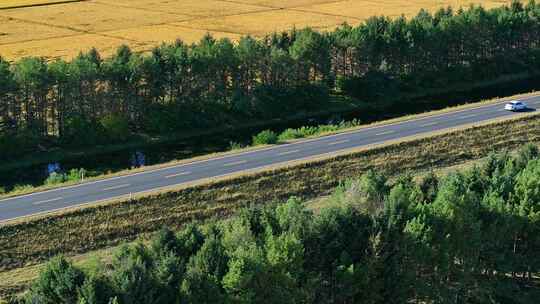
(515, 105)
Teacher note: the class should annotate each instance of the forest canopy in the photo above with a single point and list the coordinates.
(178, 87)
(472, 236)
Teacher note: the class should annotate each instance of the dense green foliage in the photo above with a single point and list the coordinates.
(470, 237)
(266, 137)
(74, 175)
(302, 132)
(180, 87)
(269, 137)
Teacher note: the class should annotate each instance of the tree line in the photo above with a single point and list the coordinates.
(180, 87)
(472, 236)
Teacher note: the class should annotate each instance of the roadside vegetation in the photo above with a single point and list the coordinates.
(468, 237)
(182, 89)
(29, 241)
(266, 137)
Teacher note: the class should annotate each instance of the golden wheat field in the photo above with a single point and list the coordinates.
(55, 29)
(22, 3)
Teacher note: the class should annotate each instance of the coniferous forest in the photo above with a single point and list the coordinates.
(471, 236)
(467, 237)
(177, 87)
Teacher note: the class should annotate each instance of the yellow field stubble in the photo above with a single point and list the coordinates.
(66, 47)
(156, 34)
(194, 8)
(286, 3)
(63, 30)
(391, 8)
(91, 16)
(267, 22)
(19, 3)
(12, 31)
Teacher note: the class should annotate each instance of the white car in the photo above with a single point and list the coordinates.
(515, 105)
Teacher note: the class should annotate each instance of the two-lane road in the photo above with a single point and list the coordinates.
(110, 188)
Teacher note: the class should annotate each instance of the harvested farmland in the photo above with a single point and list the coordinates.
(62, 30)
(29, 241)
(5, 4)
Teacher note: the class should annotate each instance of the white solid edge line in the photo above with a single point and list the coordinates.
(270, 148)
(217, 176)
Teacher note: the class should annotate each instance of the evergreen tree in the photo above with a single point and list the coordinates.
(58, 283)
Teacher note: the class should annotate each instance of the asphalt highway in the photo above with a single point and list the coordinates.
(91, 192)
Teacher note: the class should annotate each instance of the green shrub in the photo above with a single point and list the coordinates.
(309, 131)
(373, 86)
(59, 282)
(349, 124)
(80, 131)
(235, 146)
(116, 127)
(327, 128)
(266, 137)
(270, 101)
(312, 131)
(22, 188)
(12, 144)
(55, 178)
(367, 247)
(73, 175)
(290, 134)
(76, 174)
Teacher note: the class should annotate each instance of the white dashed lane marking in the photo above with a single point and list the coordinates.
(429, 124)
(288, 152)
(116, 187)
(339, 142)
(384, 133)
(178, 174)
(48, 201)
(235, 163)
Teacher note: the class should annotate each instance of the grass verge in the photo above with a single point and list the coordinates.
(336, 105)
(31, 189)
(16, 281)
(29, 241)
(121, 220)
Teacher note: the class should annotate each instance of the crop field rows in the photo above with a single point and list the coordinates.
(61, 30)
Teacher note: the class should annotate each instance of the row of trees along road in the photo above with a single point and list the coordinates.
(469, 237)
(179, 87)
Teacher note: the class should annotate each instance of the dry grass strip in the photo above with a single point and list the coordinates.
(30, 241)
